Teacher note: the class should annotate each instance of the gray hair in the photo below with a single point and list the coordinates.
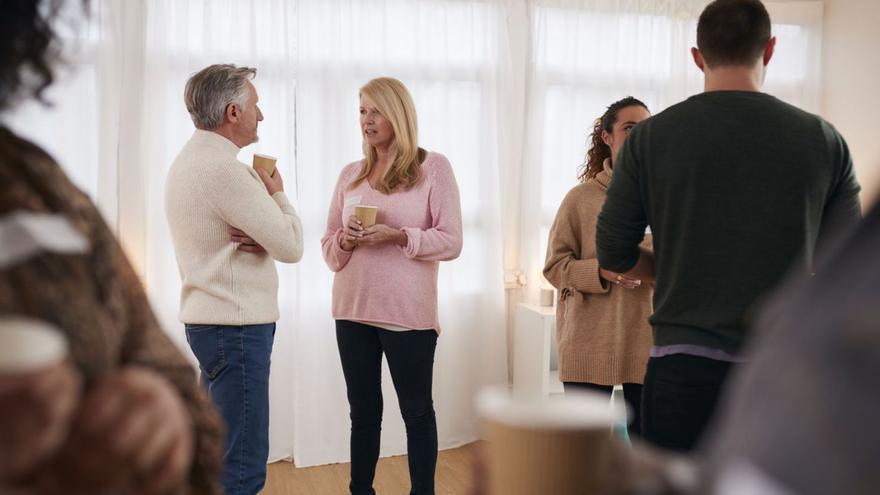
(209, 91)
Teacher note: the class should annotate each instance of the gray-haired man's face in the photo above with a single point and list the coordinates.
(246, 126)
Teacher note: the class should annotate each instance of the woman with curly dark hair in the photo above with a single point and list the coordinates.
(602, 329)
(123, 413)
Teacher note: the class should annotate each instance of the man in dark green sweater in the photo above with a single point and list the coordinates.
(738, 188)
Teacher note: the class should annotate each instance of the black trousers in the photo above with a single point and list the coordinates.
(632, 394)
(410, 358)
(680, 396)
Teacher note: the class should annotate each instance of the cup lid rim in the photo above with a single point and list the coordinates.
(575, 411)
(44, 342)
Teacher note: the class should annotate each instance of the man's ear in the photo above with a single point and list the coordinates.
(698, 59)
(769, 50)
(232, 112)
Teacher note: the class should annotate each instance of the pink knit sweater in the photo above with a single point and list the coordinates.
(390, 284)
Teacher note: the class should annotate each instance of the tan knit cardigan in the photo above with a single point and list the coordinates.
(602, 330)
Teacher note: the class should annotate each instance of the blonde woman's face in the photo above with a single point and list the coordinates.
(375, 128)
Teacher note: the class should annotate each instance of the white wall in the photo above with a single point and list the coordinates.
(851, 85)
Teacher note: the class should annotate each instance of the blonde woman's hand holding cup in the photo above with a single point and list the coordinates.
(352, 234)
(381, 234)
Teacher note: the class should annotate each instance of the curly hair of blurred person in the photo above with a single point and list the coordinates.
(29, 47)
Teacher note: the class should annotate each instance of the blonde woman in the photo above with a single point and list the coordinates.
(385, 283)
(602, 329)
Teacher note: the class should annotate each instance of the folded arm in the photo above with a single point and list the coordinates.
(622, 221)
(244, 203)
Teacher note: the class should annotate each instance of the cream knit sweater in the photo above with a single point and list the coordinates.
(208, 191)
(602, 330)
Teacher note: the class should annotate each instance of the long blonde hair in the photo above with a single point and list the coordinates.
(394, 102)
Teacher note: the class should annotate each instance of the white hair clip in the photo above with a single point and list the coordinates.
(24, 234)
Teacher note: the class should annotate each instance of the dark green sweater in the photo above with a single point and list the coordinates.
(738, 188)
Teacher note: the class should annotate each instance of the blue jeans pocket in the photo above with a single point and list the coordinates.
(206, 342)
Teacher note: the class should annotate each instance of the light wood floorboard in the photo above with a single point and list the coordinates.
(392, 476)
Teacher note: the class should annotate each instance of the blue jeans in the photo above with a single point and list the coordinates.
(234, 363)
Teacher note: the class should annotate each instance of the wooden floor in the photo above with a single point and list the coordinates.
(392, 476)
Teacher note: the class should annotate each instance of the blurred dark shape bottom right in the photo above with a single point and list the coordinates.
(802, 416)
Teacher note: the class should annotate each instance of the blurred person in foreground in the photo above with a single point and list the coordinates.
(800, 416)
(124, 414)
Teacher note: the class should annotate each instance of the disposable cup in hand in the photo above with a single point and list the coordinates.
(540, 445)
(28, 345)
(366, 214)
(265, 162)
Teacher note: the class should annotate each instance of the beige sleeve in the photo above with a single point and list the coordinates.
(241, 200)
(563, 266)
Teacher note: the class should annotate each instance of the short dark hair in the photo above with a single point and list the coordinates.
(733, 32)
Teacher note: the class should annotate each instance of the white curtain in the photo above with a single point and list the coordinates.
(507, 89)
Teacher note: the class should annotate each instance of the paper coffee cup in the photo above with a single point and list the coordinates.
(559, 446)
(548, 296)
(265, 162)
(366, 214)
(28, 344)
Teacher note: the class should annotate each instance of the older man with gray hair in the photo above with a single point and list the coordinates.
(229, 223)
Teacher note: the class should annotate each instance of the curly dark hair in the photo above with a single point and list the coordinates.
(598, 151)
(28, 48)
